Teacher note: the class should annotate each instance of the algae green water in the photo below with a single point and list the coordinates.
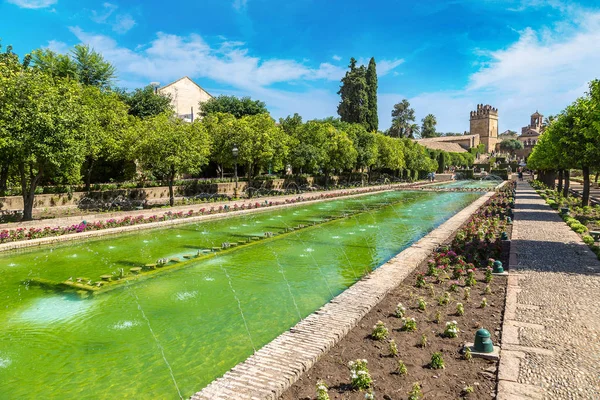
(469, 184)
(169, 336)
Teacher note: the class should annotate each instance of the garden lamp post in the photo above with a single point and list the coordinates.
(235, 151)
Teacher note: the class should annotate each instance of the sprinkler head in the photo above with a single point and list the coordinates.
(498, 269)
(483, 342)
(504, 236)
(509, 220)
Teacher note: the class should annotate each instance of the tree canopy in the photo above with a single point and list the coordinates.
(572, 139)
(428, 127)
(358, 95)
(146, 102)
(167, 146)
(403, 117)
(238, 107)
(83, 64)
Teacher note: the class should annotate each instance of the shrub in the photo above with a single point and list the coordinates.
(587, 239)
(451, 330)
(437, 362)
(445, 299)
(468, 355)
(393, 348)
(460, 309)
(483, 303)
(322, 391)
(422, 305)
(423, 342)
(415, 393)
(359, 373)
(400, 310)
(409, 325)
(380, 332)
(401, 368)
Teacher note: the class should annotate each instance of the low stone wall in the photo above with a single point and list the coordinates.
(276, 366)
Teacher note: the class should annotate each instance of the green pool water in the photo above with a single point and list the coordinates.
(169, 336)
(470, 184)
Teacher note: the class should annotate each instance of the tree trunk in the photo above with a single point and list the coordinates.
(585, 196)
(597, 175)
(221, 168)
(567, 183)
(88, 175)
(171, 194)
(249, 174)
(28, 192)
(4, 178)
(560, 181)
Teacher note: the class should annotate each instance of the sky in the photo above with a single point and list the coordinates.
(444, 56)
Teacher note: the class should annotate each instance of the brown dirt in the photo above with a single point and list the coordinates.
(436, 384)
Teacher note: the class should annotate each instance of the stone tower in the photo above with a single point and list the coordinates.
(484, 122)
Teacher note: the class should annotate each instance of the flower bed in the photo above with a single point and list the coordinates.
(412, 340)
(582, 220)
(14, 235)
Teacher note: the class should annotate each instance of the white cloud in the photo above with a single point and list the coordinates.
(169, 57)
(33, 3)
(543, 70)
(384, 66)
(337, 58)
(124, 23)
(57, 46)
(120, 23)
(101, 17)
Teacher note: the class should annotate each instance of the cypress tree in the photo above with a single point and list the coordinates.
(354, 103)
(372, 118)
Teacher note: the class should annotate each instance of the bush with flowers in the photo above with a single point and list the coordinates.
(359, 374)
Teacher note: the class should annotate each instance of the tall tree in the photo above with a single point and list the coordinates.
(106, 124)
(511, 145)
(83, 63)
(371, 77)
(144, 103)
(92, 68)
(167, 146)
(41, 120)
(222, 128)
(307, 147)
(354, 93)
(9, 63)
(403, 117)
(428, 126)
(236, 106)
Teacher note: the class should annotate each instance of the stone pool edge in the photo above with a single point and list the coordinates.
(280, 363)
(22, 244)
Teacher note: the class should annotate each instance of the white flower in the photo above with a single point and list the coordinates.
(361, 373)
(322, 388)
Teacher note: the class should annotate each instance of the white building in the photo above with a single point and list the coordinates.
(186, 95)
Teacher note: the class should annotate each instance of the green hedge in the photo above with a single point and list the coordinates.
(466, 173)
(502, 173)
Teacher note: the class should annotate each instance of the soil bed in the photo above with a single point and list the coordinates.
(447, 383)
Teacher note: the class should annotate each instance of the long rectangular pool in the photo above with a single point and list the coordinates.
(169, 336)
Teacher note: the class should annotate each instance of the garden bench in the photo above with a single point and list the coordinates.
(595, 235)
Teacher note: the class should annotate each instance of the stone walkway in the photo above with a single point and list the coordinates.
(551, 332)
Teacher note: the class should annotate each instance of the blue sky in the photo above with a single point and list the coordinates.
(444, 56)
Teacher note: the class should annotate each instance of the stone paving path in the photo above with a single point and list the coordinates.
(551, 332)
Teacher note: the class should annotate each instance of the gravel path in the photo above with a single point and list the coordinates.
(551, 334)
